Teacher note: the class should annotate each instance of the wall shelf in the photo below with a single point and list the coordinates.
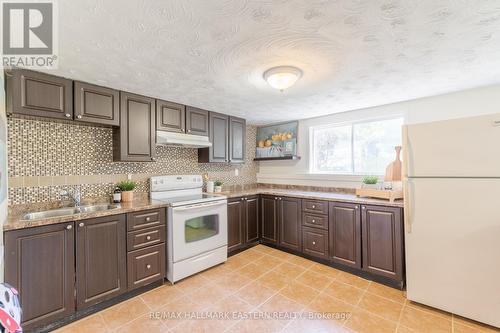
(288, 157)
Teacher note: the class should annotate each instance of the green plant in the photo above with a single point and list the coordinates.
(218, 183)
(126, 185)
(370, 180)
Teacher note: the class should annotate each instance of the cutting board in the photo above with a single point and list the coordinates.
(393, 172)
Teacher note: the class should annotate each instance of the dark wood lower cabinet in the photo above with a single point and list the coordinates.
(345, 234)
(315, 242)
(101, 255)
(40, 264)
(243, 222)
(289, 221)
(269, 219)
(146, 266)
(383, 241)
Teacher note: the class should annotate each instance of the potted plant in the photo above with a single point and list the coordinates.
(370, 182)
(127, 187)
(217, 186)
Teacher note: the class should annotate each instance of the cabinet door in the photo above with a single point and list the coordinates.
(235, 223)
(252, 219)
(196, 121)
(39, 94)
(40, 264)
(290, 223)
(315, 242)
(95, 104)
(219, 136)
(345, 234)
(269, 219)
(170, 117)
(100, 259)
(382, 241)
(237, 139)
(146, 266)
(134, 140)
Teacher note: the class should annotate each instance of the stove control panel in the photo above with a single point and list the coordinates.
(175, 182)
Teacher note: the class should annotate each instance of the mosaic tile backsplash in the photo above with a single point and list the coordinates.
(45, 157)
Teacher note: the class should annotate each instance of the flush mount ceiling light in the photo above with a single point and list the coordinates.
(282, 77)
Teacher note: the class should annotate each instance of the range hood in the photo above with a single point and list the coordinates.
(182, 140)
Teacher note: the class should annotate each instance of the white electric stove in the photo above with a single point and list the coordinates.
(196, 224)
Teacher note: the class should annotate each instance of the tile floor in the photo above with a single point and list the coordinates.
(265, 281)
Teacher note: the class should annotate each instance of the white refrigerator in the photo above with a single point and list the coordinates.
(452, 216)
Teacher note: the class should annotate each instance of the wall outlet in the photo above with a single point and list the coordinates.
(129, 176)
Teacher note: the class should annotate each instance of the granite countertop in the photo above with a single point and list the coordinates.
(331, 196)
(16, 213)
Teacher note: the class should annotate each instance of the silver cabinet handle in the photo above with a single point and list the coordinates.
(313, 221)
(148, 266)
(275, 198)
(189, 131)
(182, 129)
(363, 207)
(81, 224)
(69, 227)
(279, 198)
(242, 199)
(148, 237)
(67, 115)
(314, 243)
(148, 219)
(357, 207)
(313, 206)
(79, 116)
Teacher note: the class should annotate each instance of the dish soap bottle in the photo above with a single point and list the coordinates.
(117, 195)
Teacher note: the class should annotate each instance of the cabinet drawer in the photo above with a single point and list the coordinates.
(315, 221)
(146, 266)
(145, 219)
(145, 237)
(315, 206)
(315, 242)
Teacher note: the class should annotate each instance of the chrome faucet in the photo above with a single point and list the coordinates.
(73, 195)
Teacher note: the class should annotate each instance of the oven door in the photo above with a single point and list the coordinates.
(198, 228)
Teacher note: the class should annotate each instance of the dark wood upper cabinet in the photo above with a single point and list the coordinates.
(345, 234)
(383, 241)
(101, 254)
(235, 224)
(134, 140)
(196, 121)
(170, 117)
(289, 215)
(237, 140)
(38, 94)
(219, 137)
(252, 219)
(40, 264)
(96, 104)
(269, 219)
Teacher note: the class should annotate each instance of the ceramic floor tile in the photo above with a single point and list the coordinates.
(255, 293)
(274, 280)
(422, 321)
(314, 280)
(325, 270)
(323, 304)
(461, 324)
(344, 292)
(192, 283)
(160, 296)
(93, 323)
(175, 313)
(387, 292)
(236, 262)
(233, 281)
(353, 280)
(428, 309)
(254, 270)
(303, 262)
(299, 292)
(268, 261)
(253, 326)
(124, 312)
(381, 306)
(142, 322)
(210, 294)
(362, 321)
(314, 326)
(290, 270)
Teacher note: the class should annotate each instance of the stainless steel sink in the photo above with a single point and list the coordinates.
(69, 211)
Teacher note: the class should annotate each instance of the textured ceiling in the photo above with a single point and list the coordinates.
(211, 53)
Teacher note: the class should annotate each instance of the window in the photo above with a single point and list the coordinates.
(363, 148)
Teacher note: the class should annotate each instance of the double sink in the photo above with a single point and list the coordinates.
(68, 211)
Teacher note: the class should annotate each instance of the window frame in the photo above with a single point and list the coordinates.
(312, 128)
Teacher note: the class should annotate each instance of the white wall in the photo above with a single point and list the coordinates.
(484, 100)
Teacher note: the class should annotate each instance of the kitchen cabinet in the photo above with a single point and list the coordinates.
(345, 233)
(100, 259)
(315, 242)
(134, 140)
(38, 94)
(170, 117)
(235, 224)
(219, 137)
(383, 241)
(196, 121)
(96, 104)
(146, 265)
(289, 221)
(237, 140)
(269, 219)
(40, 264)
(243, 222)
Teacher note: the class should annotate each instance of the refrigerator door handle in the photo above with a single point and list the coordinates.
(407, 210)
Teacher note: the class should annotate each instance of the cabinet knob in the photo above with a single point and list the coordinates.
(279, 198)
(242, 199)
(148, 266)
(189, 131)
(275, 198)
(357, 207)
(363, 207)
(148, 237)
(313, 221)
(313, 206)
(79, 116)
(148, 219)
(81, 224)
(69, 227)
(67, 115)
(183, 130)
(314, 243)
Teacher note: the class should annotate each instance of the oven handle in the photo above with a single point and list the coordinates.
(203, 205)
